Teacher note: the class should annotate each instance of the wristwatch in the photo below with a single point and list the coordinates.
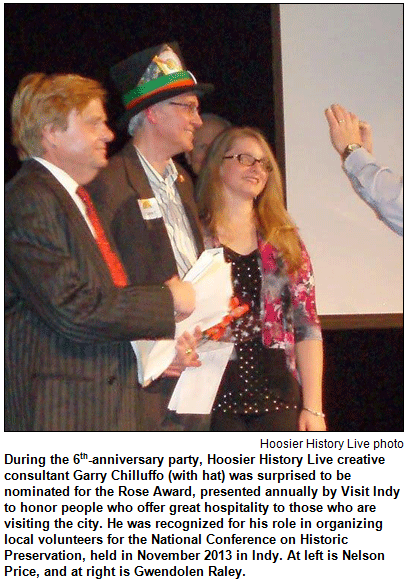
(349, 149)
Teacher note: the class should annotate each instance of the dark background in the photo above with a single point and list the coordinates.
(89, 38)
(235, 47)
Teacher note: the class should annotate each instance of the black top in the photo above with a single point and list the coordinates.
(259, 380)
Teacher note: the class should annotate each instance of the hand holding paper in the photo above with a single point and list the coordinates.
(196, 389)
(211, 279)
(186, 355)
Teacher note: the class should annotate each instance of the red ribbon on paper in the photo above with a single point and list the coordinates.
(237, 310)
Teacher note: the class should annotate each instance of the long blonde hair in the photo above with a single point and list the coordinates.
(273, 221)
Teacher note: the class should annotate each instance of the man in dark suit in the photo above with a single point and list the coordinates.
(70, 312)
(146, 198)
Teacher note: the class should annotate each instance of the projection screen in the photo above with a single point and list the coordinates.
(350, 54)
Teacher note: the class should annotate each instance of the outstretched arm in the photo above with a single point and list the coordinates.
(375, 184)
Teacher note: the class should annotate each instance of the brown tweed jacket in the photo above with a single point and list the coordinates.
(146, 252)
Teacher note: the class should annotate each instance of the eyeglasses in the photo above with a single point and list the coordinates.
(249, 160)
(191, 107)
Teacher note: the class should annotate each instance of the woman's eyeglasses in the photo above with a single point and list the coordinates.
(249, 160)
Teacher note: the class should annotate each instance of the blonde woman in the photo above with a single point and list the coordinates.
(274, 380)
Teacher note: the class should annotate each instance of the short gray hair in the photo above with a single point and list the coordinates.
(136, 122)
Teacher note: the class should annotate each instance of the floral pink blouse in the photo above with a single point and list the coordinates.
(290, 313)
(288, 308)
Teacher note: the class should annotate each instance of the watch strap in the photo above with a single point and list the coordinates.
(349, 149)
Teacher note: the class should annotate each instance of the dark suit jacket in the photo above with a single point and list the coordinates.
(144, 247)
(68, 361)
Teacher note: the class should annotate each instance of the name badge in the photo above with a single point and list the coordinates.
(149, 209)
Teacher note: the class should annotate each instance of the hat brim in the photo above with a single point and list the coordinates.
(199, 89)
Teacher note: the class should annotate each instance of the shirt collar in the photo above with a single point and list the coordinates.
(170, 174)
(66, 181)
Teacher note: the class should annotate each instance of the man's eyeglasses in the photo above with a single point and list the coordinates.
(249, 160)
(191, 107)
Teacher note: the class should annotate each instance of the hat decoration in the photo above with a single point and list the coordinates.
(164, 72)
(154, 75)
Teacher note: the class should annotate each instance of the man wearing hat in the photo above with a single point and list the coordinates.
(146, 198)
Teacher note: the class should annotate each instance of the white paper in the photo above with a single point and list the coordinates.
(196, 388)
(211, 279)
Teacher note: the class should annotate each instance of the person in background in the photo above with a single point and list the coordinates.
(212, 126)
(70, 312)
(376, 184)
(274, 381)
(146, 198)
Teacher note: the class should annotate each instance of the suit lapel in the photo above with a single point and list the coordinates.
(135, 173)
(156, 228)
(159, 248)
(139, 182)
(77, 224)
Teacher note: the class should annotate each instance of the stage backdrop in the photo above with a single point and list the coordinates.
(350, 54)
(363, 368)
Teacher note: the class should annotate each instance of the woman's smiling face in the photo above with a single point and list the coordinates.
(240, 180)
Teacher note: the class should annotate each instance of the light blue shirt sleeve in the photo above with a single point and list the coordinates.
(378, 186)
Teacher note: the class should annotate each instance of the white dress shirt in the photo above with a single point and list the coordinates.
(70, 185)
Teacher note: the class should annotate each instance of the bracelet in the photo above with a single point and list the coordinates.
(319, 414)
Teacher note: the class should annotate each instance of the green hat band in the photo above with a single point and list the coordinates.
(155, 85)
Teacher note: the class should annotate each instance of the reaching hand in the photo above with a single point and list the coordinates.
(344, 127)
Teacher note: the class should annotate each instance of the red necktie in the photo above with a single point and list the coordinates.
(113, 262)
